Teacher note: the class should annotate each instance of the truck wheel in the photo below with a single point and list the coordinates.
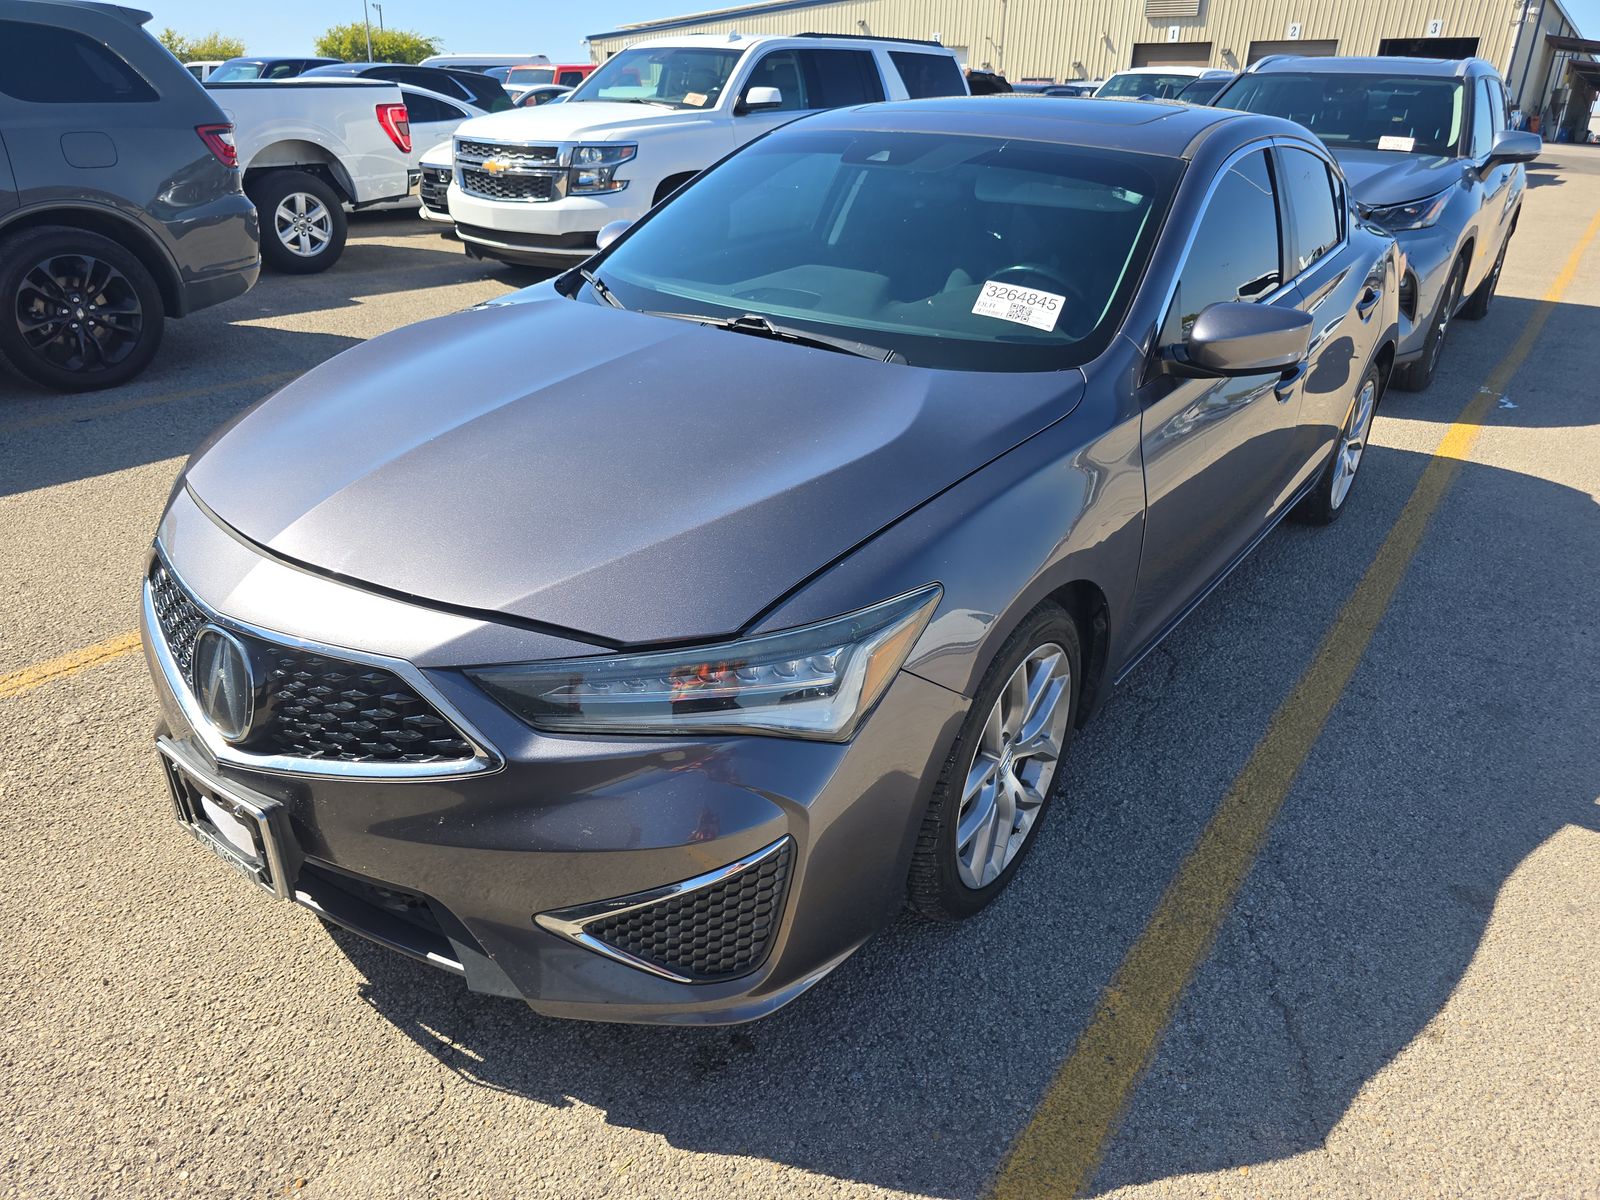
(302, 222)
(79, 312)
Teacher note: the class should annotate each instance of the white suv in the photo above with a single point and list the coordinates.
(535, 185)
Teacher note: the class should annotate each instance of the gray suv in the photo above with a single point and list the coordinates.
(120, 202)
(1425, 147)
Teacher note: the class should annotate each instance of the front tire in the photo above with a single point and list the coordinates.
(1416, 376)
(1002, 772)
(1477, 307)
(80, 311)
(303, 224)
(1326, 501)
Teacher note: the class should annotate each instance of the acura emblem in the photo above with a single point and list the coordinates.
(223, 683)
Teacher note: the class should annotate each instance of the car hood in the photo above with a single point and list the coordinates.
(1380, 177)
(595, 120)
(634, 478)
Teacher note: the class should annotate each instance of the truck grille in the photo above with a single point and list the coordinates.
(435, 189)
(532, 188)
(312, 705)
(716, 931)
(522, 156)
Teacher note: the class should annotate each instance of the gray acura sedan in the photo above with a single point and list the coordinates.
(642, 644)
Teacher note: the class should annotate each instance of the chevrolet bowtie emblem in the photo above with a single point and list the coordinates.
(495, 165)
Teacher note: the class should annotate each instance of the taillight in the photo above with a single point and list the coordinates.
(219, 140)
(396, 123)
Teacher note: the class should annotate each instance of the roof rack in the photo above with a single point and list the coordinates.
(873, 37)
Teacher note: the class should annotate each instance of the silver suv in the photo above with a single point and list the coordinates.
(1425, 147)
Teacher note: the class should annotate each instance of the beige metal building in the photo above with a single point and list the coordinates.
(1090, 39)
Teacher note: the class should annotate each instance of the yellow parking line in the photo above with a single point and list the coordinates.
(66, 416)
(1059, 1151)
(21, 682)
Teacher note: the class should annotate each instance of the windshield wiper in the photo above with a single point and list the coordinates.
(600, 289)
(759, 326)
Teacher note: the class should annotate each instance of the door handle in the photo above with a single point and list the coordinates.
(1284, 388)
(1368, 302)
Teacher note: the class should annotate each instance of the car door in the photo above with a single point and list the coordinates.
(1503, 183)
(1340, 290)
(1218, 453)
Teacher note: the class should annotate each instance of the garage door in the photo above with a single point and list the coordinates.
(1316, 49)
(1171, 54)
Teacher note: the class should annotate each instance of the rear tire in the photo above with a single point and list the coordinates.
(1416, 376)
(1324, 504)
(303, 224)
(78, 311)
(1003, 770)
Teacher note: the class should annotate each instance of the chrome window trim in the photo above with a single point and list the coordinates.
(485, 758)
(1261, 144)
(571, 923)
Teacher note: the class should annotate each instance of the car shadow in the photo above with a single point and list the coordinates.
(1544, 174)
(915, 1064)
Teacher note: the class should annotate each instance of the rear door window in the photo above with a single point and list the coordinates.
(927, 75)
(1308, 189)
(838, 78)
(43, 64)
(1235, 253)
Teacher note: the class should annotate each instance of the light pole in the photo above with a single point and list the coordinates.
(366, 18)
(379, 7)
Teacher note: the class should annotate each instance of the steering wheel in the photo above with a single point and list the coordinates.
(1060, 283)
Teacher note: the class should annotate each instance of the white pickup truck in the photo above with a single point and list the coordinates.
(307, 148)
(536, 185)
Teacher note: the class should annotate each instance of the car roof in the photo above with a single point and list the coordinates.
(1148, 127)
(1197, 72)
(744, 41)
(1437, 68)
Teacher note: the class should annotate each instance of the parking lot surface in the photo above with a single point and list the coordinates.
(1318, 916)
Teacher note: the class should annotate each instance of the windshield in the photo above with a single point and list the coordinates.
(681, 76)
(1359, 112)
(528, 76)
(963, 253)
(236, 72)
(1133, 84)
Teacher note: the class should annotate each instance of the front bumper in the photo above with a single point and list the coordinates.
(476, 872)
(558, 233)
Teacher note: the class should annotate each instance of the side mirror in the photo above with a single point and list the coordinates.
(1245, 339)
(1513, 146)
(610, 232)
(759, 99)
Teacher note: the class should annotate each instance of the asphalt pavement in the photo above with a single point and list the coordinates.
(1401, 997)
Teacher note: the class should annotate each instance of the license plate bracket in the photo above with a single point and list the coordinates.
(246, 830)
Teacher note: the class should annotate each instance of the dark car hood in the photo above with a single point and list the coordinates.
(1380, 177)
(635, 478)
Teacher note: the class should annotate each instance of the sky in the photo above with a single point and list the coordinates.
(552, 27)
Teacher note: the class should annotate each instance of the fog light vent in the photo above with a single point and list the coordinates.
(715, 926)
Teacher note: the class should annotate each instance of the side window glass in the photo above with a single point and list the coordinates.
(781, 70)
(570, 78)
(43, 64)
(1482, 119)
(927, 75)
(424, 109)
(1307, 189)
(838, 78)
(1234, 255)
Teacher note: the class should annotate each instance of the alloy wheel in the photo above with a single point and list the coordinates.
(1015, 763)
(303, 224)
(1353, 442)
(78, 312)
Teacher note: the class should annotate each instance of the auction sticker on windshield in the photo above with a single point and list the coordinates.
(1021, 305)
(1391, 141)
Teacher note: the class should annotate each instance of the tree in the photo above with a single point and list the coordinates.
(210, 45)
(349, 42)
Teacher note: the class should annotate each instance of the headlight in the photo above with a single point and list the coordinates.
(816, 682)
(1416, 214)
(594, 168)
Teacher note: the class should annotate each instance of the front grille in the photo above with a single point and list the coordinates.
(522, 156)
(316, 706)
(710, 933)
(507, 187)
(435, 189)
